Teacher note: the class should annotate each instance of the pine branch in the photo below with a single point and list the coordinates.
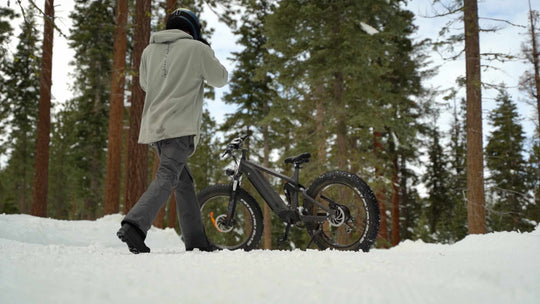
(448, 11)
(502, 20)
(42, 13)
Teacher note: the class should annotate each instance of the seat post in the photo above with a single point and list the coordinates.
(296, 174)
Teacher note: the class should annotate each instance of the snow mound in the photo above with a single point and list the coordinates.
(53, 261)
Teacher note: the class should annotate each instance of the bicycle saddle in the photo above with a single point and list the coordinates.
(299, 159)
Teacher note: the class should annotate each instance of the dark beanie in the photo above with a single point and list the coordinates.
(185, 20)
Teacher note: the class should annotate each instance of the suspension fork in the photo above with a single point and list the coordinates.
(232, 202)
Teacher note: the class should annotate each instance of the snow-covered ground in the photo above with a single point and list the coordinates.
(52, 261)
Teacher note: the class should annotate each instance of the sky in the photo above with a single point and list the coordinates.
(507, 40)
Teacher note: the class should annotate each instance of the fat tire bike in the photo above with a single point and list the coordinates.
(338, 210)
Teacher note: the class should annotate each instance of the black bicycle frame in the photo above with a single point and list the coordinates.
(267, 192)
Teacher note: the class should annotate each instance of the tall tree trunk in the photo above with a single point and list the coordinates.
(170, 6)
(137, 160)
(535, 59)
(41, 175)
(395, 202)
(321, 129)
(267, 214)
(403, 198)
(380, 193)
(171, 217)
(341, 121)
(475, 158)
(24, 181)
(116, 115)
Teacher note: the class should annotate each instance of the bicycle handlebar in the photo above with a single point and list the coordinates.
(234, 145)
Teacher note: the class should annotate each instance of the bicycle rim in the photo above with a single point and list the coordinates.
(236, 236)
(346, 231)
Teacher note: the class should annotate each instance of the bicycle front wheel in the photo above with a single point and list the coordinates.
(246, 228)
(356, 221)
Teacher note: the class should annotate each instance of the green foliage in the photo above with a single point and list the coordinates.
(6, 31)
(436, 179)
(205, 164)
(251, 92)
(532, 211)
(445, 210)
(6, 15)
(339, 84)
(19, 106)
(509, 179)
(82, 126)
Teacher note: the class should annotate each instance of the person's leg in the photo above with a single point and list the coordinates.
(173, 155)
(189, 213)
(144, 212)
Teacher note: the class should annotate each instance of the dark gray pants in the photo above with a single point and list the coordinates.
(173, 174)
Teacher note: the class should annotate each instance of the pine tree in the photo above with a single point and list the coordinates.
(530, 84)
(137, 155)
(530, 81)
(41, 172)
(475, 160)
(508, 170)
(20, 103)
(7, 201)
(6, 31)
(6, 15)
(207, 168)
(440, 207)
(467, 10)
(410, 202)
(532, 211)
(92, 39)
(116, 113)
(251, 92)
(357, 83)
(458, 174)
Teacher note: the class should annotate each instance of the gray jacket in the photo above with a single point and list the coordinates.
(172, 73)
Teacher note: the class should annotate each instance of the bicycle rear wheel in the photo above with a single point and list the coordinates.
(356, 223)
(247, 226)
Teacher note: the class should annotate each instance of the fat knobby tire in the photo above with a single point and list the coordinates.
(369, 203)
(243, 197)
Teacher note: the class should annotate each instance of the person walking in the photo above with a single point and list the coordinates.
(173, 70)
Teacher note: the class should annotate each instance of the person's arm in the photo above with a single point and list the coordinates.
(213, 71)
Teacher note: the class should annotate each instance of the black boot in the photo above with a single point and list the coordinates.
(133, 237)
(209, 247)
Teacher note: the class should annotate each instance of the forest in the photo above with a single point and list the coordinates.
(341, 79)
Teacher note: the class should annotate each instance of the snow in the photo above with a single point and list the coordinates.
(53, 261)
(368, 29)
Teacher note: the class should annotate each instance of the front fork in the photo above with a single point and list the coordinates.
(229, 220)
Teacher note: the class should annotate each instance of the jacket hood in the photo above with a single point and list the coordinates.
(168, 36)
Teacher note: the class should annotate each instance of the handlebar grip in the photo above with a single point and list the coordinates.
(234, 145)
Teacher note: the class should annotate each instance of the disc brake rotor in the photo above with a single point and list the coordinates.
(219, 223)
(338, 219)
